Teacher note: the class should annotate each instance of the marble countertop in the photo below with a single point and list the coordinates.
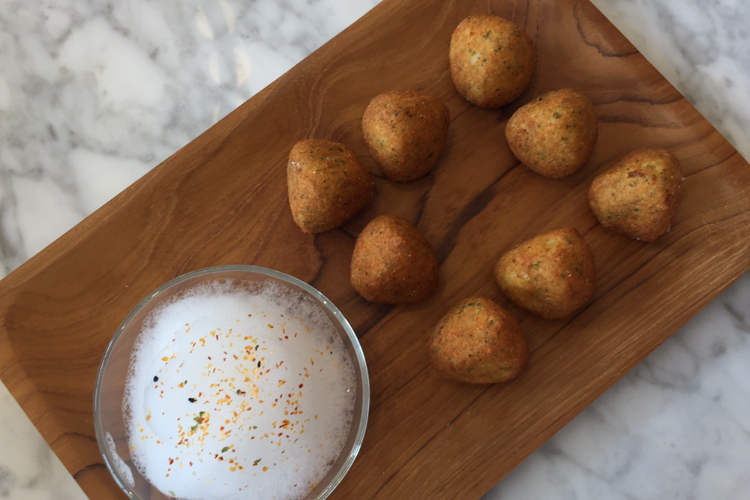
(94, 94)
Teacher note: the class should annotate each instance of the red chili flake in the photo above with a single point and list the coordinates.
(300, 386)
(171, 461)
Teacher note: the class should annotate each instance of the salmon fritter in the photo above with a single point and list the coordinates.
(326, 183)
(551, 275)
(393, 263)
(479, 342)
(406, 132)
(638, 195)
(492, 60)
(554, 134)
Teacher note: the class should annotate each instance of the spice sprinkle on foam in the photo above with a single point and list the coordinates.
(235, 388)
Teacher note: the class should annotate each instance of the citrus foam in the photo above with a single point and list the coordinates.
(238, 389)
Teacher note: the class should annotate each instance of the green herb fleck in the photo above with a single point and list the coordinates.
(225, 449)
(198, 421)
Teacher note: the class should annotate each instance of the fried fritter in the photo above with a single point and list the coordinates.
(551, 275)
(393, 263)
(639, 194)
(406, 132)
(479, 342)
(327, 185)
(554, 134)
(492, 60)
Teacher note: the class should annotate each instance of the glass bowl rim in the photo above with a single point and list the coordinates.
(312, 291)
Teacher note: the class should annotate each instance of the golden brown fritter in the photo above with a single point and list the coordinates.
(551, 275)
(554, 134)
(639, 194)
(406, 132)
(492, 60)
(393, 263)
(479, 342)
(327, 185)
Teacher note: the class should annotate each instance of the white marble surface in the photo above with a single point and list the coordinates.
(93, 94)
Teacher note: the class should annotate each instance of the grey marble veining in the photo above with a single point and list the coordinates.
(93, 94)
(701, 47)
(28, 468)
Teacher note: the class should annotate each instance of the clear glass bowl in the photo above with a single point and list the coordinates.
(110, 383)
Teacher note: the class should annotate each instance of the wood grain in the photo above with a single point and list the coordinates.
(222, 200)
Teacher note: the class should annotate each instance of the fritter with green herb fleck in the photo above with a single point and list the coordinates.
(639, 194)
(479, 342)
(554, 134)
(551, 275)
(406, 132)
(492, 60)
(327, 185)
(393, 263)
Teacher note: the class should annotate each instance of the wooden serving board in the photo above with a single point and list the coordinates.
(222, 200)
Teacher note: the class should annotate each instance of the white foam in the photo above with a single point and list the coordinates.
(279, 435)
(122, 468)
